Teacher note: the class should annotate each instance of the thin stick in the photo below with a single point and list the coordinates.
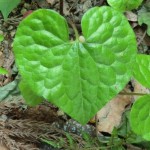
(61, 4)
(137, 94)
(141, 39)
(101, 2)
(96, 124)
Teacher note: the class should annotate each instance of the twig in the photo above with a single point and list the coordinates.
(101, 2)
(61, 7)
(96, 122)
(74, 5)
(141, 39)
(138, 94)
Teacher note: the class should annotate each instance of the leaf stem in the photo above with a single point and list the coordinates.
(138, 94)
(74, 29)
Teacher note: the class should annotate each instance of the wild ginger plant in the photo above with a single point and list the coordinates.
(81, 76)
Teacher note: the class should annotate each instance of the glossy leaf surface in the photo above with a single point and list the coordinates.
(141, 70)
(124, 5)
(80, 78)
(139, 117)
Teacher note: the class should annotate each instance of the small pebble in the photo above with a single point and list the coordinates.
(1, 32)
(27, 6)
(12, 33)
(10, 28)
(60, 113)
(23, 11)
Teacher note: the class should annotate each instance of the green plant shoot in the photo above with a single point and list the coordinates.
(79, 77)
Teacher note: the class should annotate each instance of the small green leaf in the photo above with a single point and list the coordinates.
(1, 37)
(52, 143)
(6, 6)
(141, 70)
(80, 78)
(144, 19)
(31, 98)
(3, 71)
(144, 15)
(9, 90)
(140, 118)
(124, 5)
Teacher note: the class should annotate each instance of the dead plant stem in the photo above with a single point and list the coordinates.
(141, 39)
(96, 124)
(134, 94)
(61, 7)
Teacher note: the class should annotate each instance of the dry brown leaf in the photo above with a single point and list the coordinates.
(131, 16)
(141, 35)
(1, 59)
(42, 4)
(138, 88)
(110, 115)
(51, 1)
(87, 4)
(66, 8)
(134, 24)
(132, 147)
(2, 147)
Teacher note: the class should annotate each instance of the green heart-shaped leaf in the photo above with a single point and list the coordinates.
(141, 70)
(79, 77)
(140, 118)
(124, 5)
